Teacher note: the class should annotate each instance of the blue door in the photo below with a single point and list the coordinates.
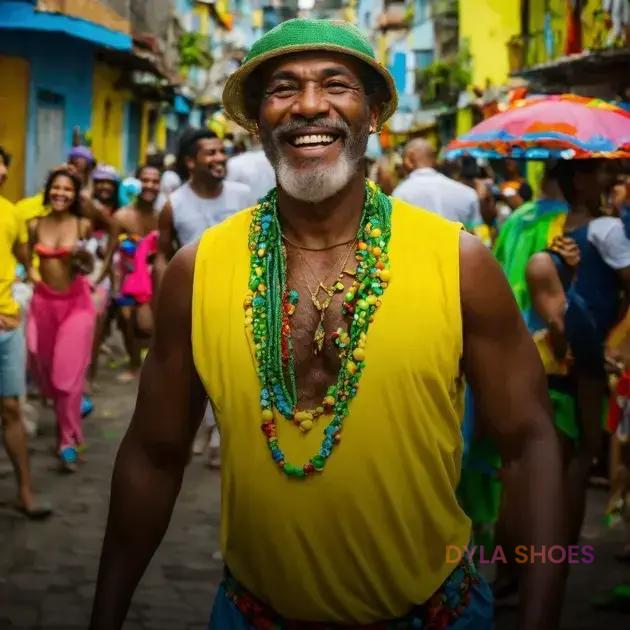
(134, 129)
(49, 137)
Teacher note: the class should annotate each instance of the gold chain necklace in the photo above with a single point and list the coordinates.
(316, 249)
(329, 291)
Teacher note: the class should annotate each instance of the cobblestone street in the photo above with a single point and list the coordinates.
(48, 570)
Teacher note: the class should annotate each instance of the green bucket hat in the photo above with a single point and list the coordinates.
(304, 35)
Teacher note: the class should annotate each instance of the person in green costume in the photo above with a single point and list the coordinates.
(530, 229)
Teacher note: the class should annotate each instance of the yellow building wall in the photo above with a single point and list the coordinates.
(144, 131)
(594, 31)
(486, 27)
(160, 133)
(464, 121)
(155, 136)
(108, 116)
(204, 18)
(13, 112)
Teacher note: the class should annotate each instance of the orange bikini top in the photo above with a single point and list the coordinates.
(44, 251)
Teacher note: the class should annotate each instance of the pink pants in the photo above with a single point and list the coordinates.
(60, 330)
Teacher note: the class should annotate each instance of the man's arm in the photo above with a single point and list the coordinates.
(503, 367)
(99, 215)
(88, 207)
(115, 230)
(154, 452)
(21, 249)
(22, 254)
(547, 292)
(166, 247)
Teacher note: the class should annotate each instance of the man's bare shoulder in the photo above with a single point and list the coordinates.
(486, 297)
(125, 212)
(125, 217)
(186, 256)
(182, 265)
(472, 250)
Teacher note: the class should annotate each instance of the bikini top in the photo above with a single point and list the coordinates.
(43, 251)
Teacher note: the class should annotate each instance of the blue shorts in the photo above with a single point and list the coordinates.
(125, 300)
(12, 363)
(478, 615)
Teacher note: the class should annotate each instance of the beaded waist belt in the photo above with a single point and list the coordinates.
(437, 613)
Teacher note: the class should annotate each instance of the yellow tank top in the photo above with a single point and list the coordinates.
(365, 540)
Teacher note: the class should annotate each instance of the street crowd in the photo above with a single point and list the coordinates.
(88, 255)
(566, 253)
(82, 258)
(91, 247)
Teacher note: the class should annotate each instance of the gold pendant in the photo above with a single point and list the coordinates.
(318, 337)
(329, 291)
(316, 303)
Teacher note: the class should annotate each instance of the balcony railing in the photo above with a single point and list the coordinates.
(538, 47)
(535, 48)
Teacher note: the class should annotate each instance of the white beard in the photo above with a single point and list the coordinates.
(313, 185)
(312, 182)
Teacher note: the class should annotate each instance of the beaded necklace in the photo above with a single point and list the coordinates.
(269, 304)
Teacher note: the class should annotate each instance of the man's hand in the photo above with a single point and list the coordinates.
(505, 372)
(33, 276)
(568, 249)
(154, 452)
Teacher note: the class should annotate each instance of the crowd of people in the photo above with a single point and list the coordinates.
(84, 258)
(566, 254)
(92, 251)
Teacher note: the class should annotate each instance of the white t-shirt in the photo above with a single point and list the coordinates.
(428, 189)
(192, 214)
(169, 183)
(608, 236)
(253, 169)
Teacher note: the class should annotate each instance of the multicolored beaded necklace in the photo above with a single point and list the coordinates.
(269, 305)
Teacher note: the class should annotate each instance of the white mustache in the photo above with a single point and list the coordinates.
(325, 124)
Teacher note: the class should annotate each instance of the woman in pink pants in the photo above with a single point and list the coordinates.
(62, 316)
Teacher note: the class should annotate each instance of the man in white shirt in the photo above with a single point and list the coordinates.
(428, 189)
(253, 169)
(203, 201)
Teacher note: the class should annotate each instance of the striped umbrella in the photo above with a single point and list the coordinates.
(561, 126)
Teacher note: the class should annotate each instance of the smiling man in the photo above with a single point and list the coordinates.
(205, 199)
(332, 327)
(133, 234)
(106, 183)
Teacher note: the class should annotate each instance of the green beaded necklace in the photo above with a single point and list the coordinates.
(269, 304)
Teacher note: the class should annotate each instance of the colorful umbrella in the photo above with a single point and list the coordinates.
(561, 126)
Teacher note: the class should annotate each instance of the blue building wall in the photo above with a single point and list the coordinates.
(367, 14)
(61, 65)
(422, 37)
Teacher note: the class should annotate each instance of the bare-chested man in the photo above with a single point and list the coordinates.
(133, 233)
